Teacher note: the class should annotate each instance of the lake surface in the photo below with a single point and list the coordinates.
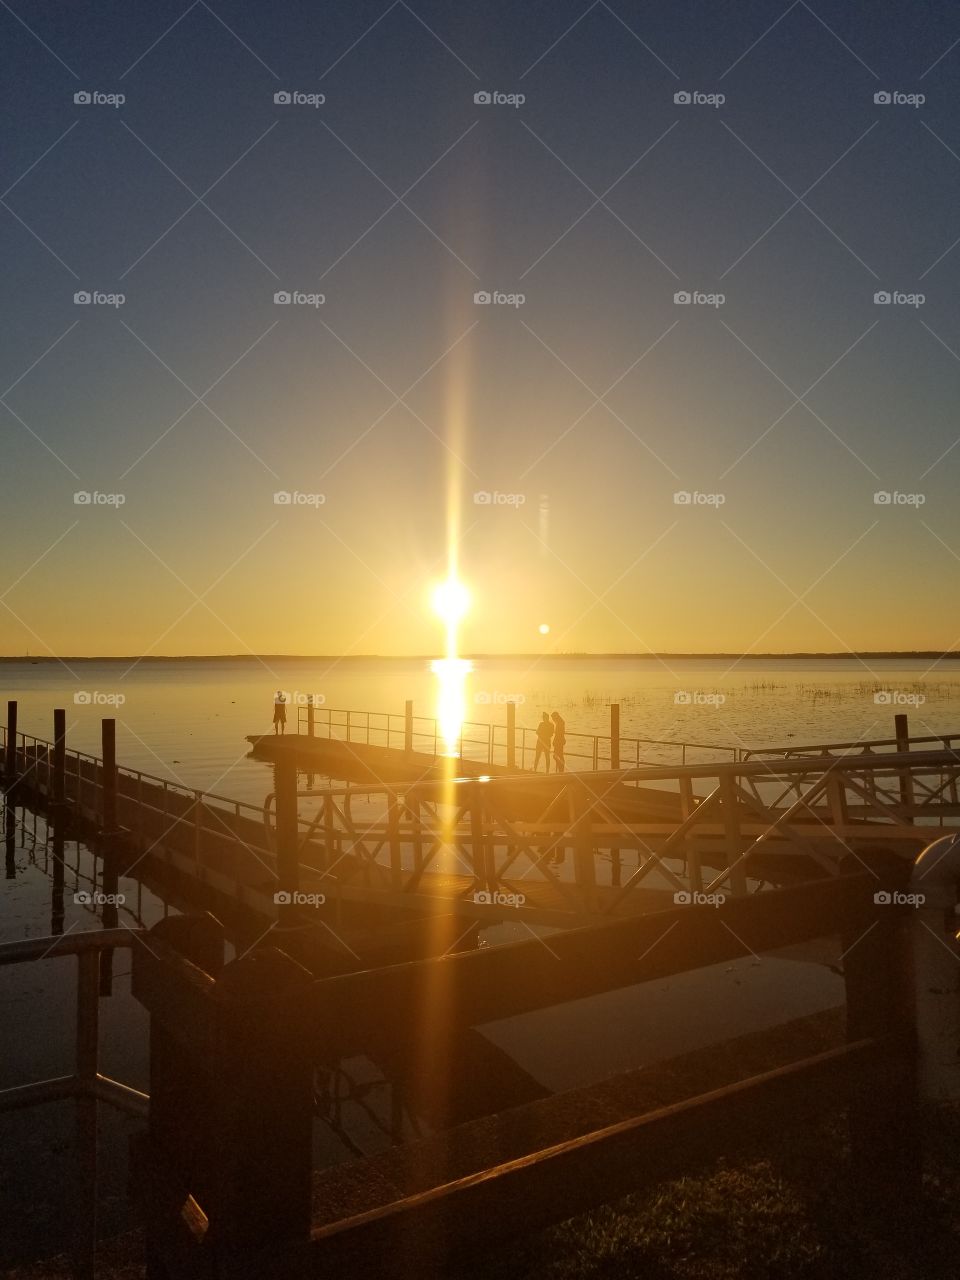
(187, 720)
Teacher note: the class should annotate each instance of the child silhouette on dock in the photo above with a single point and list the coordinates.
(279, 712)
(544, 735)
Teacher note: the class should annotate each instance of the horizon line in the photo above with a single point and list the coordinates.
(936, 654)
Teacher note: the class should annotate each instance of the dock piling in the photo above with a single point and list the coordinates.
(511, 735)
(58, 793)
(902, 731)
(408, 727)
(108, 806)
(262, 1182)
(614, 735)
(288, 862)
(10, 763)
(730, 809)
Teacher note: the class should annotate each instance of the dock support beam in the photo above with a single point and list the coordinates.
(310, 715)
(108, 808)
(902, 731)
(58, 791)
(109, 831)
(614, 735)
(288, 860)
(408, 727)
(511, 735)
(729, 805)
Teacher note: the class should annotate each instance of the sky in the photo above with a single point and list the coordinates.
(770, 466)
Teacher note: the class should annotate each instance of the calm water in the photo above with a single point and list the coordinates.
(188, 720)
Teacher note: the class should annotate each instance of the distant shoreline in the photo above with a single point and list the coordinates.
(865, 654)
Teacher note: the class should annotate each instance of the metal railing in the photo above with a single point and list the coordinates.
(86, 1079)
(948, 742)
(502, 837)
(487, 743)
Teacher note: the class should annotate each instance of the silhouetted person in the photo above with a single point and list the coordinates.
(279, 712)
(544, 734)
(559, 741)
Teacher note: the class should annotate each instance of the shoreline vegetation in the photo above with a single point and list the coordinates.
(933, 655)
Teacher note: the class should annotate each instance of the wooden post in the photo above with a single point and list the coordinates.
(310, 716)
(10, 765)
(108, 805)
(511, 735)
(88, 1017)
(585, 869)
(288, 854)
(416, 814)
(689, 845)
(884, 1120)
(614, 735)
(329, 833)
(176, 1160)
(408, 727)
(483, 873)
(729, 804)
(393, 827)
(56, 895)
(59, 756)
(108, 832)
(260, 1121)
(902, 731)
(87, 1067)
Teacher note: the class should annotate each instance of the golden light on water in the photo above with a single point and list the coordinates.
(450, 600)
(451, 675)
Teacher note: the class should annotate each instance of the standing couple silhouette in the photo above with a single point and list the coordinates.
(551, 731)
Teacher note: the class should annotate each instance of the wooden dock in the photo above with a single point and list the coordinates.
(484, 848)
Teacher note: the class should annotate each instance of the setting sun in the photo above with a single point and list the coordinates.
(450, 600)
